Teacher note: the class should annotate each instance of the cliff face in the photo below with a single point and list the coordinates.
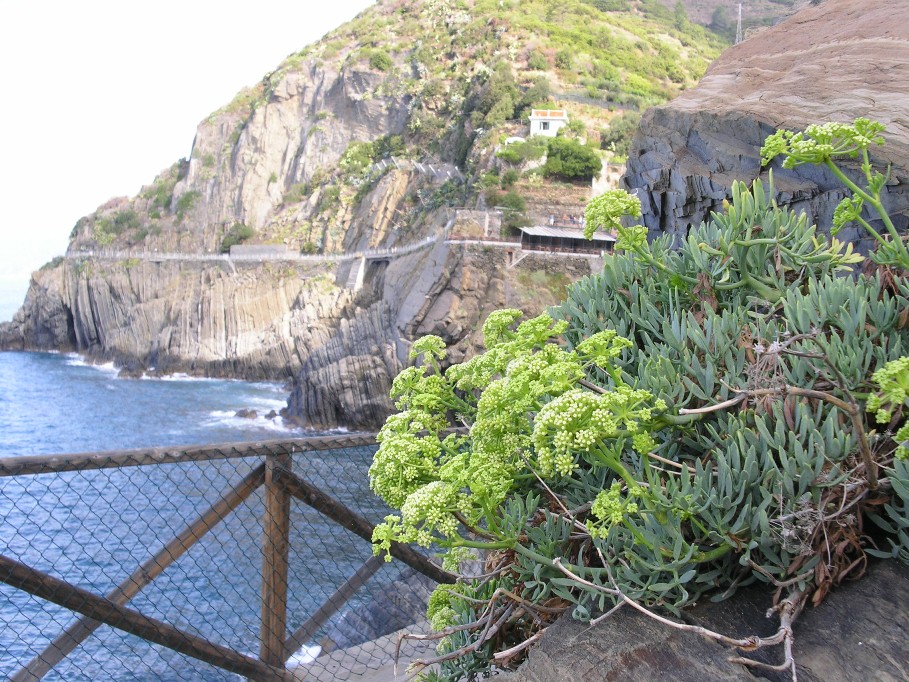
(252, 323)
(447, 291)
(839, 60)
(242, 169)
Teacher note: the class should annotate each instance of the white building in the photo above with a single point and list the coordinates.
(547, 122)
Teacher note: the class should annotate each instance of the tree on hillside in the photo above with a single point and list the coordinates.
(721, 24)
(617, 137)
(570, 159)
(680, 15)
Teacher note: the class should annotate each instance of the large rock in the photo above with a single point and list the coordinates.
(857, 634)
(838, 60)
(45, 321)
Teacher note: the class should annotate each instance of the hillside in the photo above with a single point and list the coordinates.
(288, 160)
(371, 138)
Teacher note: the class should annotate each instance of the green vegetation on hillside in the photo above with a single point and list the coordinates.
(470, 71)
(482, 63)
(237, 234)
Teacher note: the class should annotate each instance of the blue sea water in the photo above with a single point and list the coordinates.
(55, 403)
(93, 528)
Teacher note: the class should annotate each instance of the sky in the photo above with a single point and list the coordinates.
(97, 97)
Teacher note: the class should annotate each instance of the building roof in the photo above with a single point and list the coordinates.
(566, 233)
(559, 114)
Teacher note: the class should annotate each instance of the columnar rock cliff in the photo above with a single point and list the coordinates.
(837, 60)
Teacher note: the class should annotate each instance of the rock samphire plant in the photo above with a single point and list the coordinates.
(691, 420)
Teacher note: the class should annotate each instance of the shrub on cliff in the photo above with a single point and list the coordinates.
(617, 138)
(569, 158)
(379, 59)
(185, 204)
(688, 422)
(237, 234)
(517, 153)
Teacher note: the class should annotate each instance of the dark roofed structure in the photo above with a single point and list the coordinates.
(565, 240)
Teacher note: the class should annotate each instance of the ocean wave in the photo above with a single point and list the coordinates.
(230, 419)
(76, 360)
(182, 376)
(261, 402)
(177, 376)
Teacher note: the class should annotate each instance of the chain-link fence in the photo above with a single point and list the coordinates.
(223, 562)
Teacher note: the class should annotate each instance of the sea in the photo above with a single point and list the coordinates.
(93, 528)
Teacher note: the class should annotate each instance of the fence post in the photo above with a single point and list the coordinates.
(275, 551)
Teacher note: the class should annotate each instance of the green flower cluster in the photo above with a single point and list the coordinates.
(606, 211)
(826, 144)
(631, 239)
(572, 424)
(893, 393)
(439, 480)
(610, 508)
(820, 143)
(893, 389)
(439, 610)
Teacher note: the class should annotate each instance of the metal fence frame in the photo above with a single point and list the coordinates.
(281, 485)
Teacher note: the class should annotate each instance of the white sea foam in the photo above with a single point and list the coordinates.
(230, 419)
(179, 376)
(304, 656)
(76, 360)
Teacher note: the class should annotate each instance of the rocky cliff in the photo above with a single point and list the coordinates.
(447, 291)
(837, 60)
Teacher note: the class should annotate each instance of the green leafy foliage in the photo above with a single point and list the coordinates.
(617, 138)
(520, 152)
(107, 228)
(357, 158)
(237, 234)
(380, 60)
(569, 158)
(509, 177)
(537, 61)
(185, 204)
(513, 207)
(687, 422)
(827, 143)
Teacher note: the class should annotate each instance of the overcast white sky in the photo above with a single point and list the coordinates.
(98, 96)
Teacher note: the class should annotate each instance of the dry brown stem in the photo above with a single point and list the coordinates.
(788, 609)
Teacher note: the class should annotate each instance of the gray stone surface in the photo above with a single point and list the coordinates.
(857, 634)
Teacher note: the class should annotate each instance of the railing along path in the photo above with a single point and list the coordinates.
(154, 256)
(281, 485)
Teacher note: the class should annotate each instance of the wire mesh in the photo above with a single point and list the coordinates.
(112, 530)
